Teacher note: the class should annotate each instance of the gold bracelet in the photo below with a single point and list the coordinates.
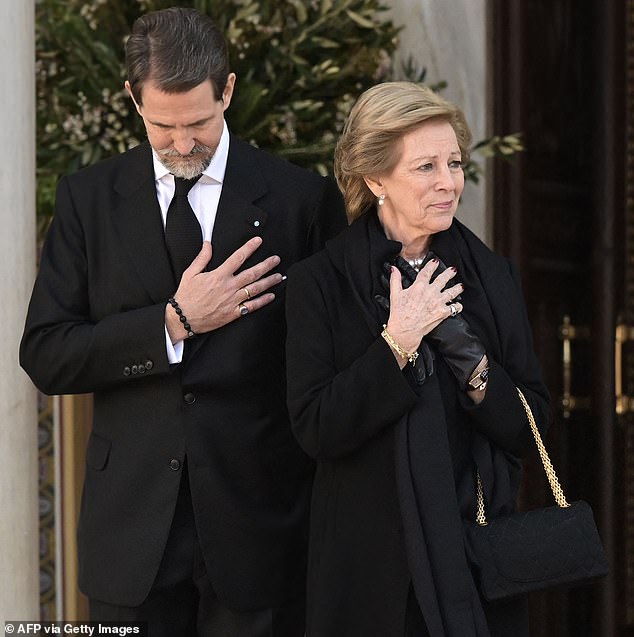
(397, 348)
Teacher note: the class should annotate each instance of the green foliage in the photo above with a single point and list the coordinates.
(311, 61)
(300, 65)
(496, 146)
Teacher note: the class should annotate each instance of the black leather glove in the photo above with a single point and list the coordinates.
(424, 364)
(459, 346)
(454, 338)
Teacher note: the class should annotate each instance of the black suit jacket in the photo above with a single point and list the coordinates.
(96, 324)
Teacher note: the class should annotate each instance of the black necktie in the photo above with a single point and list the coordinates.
(182, 230)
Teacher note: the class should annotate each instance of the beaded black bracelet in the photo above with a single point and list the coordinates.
(183, 319)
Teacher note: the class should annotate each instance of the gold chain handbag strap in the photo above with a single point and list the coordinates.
(555, 487)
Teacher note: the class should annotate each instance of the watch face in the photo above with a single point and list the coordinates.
(479, 379)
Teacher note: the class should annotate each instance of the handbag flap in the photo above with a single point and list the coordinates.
(536, 549)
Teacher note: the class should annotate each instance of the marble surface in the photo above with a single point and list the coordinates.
(19, 587)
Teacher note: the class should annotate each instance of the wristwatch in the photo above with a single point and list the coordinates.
(478, 382)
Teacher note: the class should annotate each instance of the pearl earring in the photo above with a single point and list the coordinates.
(381, 200)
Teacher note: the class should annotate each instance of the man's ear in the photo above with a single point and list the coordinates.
(128, 88)
(227, 92)
(375, 185)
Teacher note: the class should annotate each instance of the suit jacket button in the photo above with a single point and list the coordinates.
(126, 371)
(149, 365)
(189, 398)
(135, 369)
(175, 464)
(141, 369)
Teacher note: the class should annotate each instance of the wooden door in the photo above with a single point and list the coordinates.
(564, 211)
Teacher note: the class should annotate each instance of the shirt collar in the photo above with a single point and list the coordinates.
(214, 173)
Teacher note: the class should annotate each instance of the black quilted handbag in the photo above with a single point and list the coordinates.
(556, 546)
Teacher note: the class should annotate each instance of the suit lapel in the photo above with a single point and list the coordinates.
(238, 219)
(138, 222)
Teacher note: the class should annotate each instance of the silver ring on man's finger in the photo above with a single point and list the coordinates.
(245, 289)
(454, 309)
(243, 309)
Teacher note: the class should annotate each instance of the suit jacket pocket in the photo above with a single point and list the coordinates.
(98, 452)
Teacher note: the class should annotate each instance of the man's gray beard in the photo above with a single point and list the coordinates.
(184, 166)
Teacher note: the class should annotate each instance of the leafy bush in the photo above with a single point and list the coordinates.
(300, 66)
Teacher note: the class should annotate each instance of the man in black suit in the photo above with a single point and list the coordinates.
(195, 501)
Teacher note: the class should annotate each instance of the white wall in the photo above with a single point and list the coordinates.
(449, 39)
(19, 589)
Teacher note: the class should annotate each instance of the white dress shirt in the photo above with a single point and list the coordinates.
(203, 198)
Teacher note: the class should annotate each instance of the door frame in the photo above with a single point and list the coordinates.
(613, 91)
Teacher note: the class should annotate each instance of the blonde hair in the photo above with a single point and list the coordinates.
(369, 142)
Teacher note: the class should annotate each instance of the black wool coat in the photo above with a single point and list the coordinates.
(346, 397)
(96, 324)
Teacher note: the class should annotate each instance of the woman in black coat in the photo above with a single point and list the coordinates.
(407, 339)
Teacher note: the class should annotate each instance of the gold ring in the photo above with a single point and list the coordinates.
(246, 291)
(243, 309)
